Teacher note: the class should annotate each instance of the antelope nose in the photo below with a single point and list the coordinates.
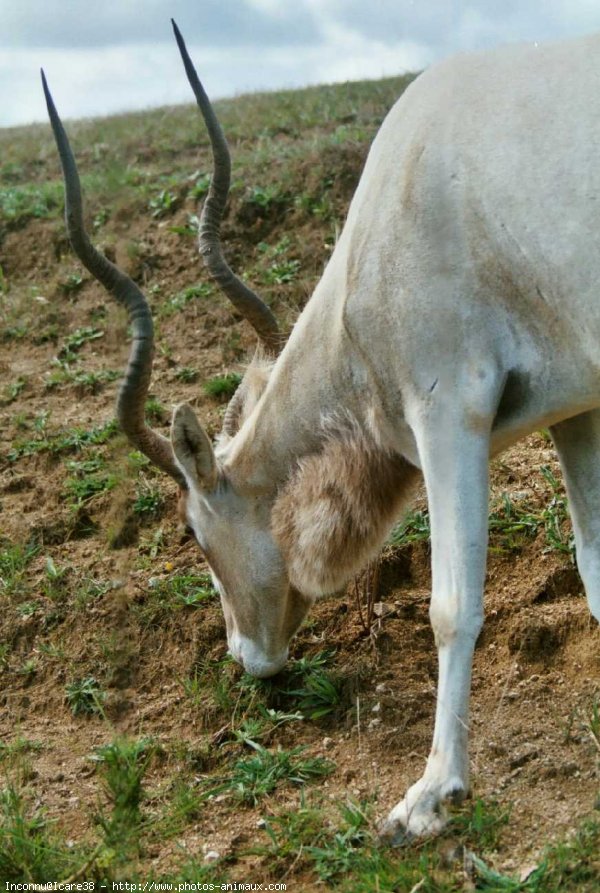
(253, 658)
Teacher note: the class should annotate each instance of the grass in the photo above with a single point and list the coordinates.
(88, 478)
(149, 501)
(222, 386)
(33, 850)
(30, 849)
(164, 203)
(122, 766)
(343, 852)
(72, 283)
(85, 697)
(512, 522)
(277, 267)
(255, 730)
(189, 229)
(85, 382)
(253, 778)
(65, 441)
(23, 202)
(14, 560)
(265, 197)
(306, 689)
(186, 374)
(166, 596)
(311, 842)
(17, 747)
(12, 391)
(571, 865)
(414, 528)
(75, 341)
(310, 687)
(184, 298)
(155, 411)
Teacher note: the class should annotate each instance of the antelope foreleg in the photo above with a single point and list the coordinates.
(455, 466)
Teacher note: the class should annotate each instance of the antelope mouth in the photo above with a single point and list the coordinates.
(253, 658)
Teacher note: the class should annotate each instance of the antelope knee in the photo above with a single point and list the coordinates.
(452, 622)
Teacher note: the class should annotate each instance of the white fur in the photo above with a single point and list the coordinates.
(459, 311)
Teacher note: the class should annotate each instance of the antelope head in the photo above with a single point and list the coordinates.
(230, 520)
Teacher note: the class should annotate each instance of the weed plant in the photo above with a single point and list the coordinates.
(222, 386)
(85, 697)
(14, 560)
(512, 523)
(252, 778)
(30, 850)
(70, 440)
(171, 594)
(122, 766)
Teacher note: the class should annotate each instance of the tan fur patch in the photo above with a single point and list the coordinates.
(249, 392)
(337, 508)
(182, 506)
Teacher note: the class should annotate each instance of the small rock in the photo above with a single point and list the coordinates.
(527, 872)
(527, 754)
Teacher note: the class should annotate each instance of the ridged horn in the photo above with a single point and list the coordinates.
(134, 388)
(246, 301)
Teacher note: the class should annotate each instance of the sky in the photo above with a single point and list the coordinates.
(107, 56)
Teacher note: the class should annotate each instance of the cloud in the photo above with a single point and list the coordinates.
(109, 57)
(88, 83)
(218, 23)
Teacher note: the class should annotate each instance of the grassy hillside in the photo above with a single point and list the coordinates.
(131, 746)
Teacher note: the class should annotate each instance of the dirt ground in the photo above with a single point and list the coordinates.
(537, 664)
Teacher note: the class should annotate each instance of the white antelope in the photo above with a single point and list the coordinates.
(459, 311)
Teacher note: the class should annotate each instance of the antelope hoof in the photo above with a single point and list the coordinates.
(422, 813)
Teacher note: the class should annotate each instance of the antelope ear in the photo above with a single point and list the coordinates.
(193, 450)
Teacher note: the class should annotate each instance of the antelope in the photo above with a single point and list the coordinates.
(459, 311)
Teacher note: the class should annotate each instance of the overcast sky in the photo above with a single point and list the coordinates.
(104, 56)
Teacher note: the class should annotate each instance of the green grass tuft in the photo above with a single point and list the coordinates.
(85, 697)
(122, 766)
(222, 385)
(29, 848)
(252, 778)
